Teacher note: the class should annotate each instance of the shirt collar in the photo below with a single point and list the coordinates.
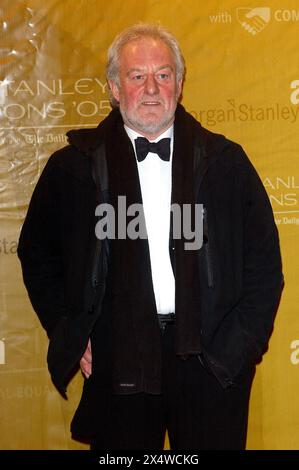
(133, 135)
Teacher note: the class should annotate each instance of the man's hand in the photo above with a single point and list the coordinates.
(86, 361)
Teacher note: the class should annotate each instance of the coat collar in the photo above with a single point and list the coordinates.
(207, 145)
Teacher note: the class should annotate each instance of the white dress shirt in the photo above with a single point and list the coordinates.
(155, 182)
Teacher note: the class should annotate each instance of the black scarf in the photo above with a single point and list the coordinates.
(136, 333)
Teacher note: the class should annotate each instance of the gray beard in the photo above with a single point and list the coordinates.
(146, 128)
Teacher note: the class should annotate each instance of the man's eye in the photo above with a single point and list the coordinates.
(137, 77)
(163, 76)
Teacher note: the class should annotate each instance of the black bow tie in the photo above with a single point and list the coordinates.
(143, 147)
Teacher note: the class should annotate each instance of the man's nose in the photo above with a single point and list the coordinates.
(151, 85)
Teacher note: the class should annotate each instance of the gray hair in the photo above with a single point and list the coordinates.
(136, 32)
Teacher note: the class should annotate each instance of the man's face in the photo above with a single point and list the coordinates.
(147, 92)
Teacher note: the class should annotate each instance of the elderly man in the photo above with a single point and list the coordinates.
(166, 337)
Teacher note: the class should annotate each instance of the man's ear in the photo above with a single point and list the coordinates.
(114, 89)
(179, 88)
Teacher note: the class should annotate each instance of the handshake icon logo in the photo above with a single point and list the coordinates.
(254, 20)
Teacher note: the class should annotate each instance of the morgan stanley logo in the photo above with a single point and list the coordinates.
(254, 20)
(129, 222)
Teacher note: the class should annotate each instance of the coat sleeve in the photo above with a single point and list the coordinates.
(243, 335)
(262, 274)
(39, 249)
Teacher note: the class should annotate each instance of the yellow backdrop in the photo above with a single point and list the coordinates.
(242, 81)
